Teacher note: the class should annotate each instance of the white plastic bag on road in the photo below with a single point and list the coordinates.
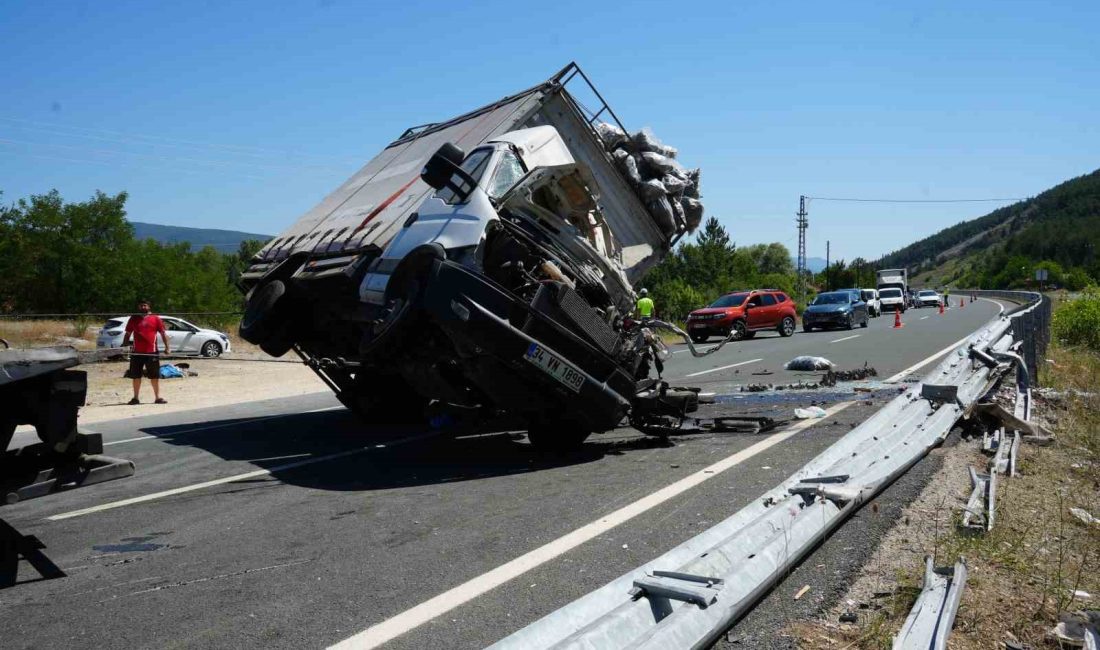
(809, 412)
(809, 363)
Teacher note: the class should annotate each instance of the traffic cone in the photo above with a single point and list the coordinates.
(897, 318)
(941, 308)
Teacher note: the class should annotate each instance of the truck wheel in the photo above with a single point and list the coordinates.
(786, 328)
(738, 330)
(547, 434)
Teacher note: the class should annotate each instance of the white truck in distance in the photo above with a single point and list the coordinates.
(893, 279)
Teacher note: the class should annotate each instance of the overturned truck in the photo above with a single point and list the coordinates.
(486, 264)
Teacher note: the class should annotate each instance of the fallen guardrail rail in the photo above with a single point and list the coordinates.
(929, 622)
(689, 596)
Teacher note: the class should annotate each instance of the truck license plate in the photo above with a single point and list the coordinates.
(555, 367)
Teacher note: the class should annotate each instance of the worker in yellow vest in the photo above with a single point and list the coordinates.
(645, 305)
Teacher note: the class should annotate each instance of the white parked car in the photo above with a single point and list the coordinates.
(891, 299)
(870, 296)
(184, 337)
(928, 298)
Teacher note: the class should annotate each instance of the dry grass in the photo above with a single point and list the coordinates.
(42, 333)
(1025, 571)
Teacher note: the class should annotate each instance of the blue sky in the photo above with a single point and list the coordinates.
(243, 115)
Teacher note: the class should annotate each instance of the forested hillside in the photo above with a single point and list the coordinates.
(58, 257)
(224, 240)
(1058, 230)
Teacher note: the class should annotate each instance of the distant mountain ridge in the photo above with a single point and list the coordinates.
(226, 241)
(814, 264)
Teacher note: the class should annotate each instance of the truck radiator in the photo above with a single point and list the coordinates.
(569, 308)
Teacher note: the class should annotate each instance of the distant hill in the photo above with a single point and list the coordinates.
(1059, 230)
(225, 241)
(814, 264)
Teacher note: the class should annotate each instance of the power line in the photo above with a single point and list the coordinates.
(849, 200)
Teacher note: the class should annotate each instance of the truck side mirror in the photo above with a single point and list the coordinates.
(442, 168)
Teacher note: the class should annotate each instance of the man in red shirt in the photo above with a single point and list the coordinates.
(144, 327)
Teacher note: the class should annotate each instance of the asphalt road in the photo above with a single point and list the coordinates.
(285, 524)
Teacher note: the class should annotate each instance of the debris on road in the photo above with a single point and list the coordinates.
(810, 363)
(809, 412)
(856, 374)
(1084, 516)
(802, 592)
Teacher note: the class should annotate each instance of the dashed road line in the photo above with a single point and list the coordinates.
(732, 365)
(847, 338)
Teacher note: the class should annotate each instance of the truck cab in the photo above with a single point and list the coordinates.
(531, 175)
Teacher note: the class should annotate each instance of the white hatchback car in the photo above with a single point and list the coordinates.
(928, 298)
(184, 337)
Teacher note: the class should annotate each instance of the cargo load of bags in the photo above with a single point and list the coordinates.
(669, 191)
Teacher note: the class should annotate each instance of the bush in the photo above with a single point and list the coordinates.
(1077, 322)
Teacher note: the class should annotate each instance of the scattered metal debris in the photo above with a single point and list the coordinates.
(1005, 451)
(858, 374)
(1077, 629)
(929, 623)
(982, 502)
(1084, 516)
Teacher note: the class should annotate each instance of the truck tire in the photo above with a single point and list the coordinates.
(550, 434)
(262, 315)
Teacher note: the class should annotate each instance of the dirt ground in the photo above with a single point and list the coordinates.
(218, 382)
(243, 375)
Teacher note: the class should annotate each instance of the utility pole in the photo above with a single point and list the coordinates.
(828, 273)
(803, 223)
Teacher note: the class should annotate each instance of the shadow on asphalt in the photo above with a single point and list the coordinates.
(436, 458)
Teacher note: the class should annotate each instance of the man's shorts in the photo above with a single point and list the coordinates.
(142, 365)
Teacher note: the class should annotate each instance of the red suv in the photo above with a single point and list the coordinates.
(744, 313)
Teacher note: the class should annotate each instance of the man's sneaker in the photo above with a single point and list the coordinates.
(134, 401)
(160, 400)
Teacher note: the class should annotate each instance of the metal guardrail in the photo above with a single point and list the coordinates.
(689, 596)
(929, 622)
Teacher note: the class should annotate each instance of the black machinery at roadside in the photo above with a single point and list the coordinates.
(38, 387)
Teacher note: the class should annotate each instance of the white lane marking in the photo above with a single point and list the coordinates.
(847, 338)
(942, 352)
(923, 317)
(732, 365)
(394, 627)
(218, 426)
(239, 477)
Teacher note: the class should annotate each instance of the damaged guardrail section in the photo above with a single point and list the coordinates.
(930, 621)
(689, 596)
